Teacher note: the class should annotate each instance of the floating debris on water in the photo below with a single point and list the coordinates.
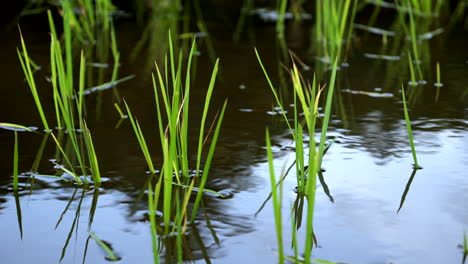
(377, 31)
(371, 94)
(381, 57)
(271, 15)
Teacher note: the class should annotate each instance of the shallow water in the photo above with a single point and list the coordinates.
(367, 168)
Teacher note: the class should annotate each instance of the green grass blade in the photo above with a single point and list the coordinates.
(206, 168)
(408, 127)
(140, 138)
(275, 199)
(205, 113)
(26, 66)
(327, 113)
(273, 91)
(92, 157)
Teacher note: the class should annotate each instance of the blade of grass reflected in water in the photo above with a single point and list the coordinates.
(18, 213)
(152, 206)
(407, 188)
(66, 208)
(93, 208)
(39, 154)
(110, 253)
(326, 190)
(74, 223)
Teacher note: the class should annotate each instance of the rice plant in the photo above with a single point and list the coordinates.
(333, 28)
(307, 97)
(408, 128)
(173, 105)
(68, 106)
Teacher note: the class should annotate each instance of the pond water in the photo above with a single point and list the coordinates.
(368, 170)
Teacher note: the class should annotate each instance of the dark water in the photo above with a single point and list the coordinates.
(367, 169)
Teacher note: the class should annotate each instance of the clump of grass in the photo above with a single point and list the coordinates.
(68, 106)
(333, 28)
(307, 97)
(174, 139)
(408, 128)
